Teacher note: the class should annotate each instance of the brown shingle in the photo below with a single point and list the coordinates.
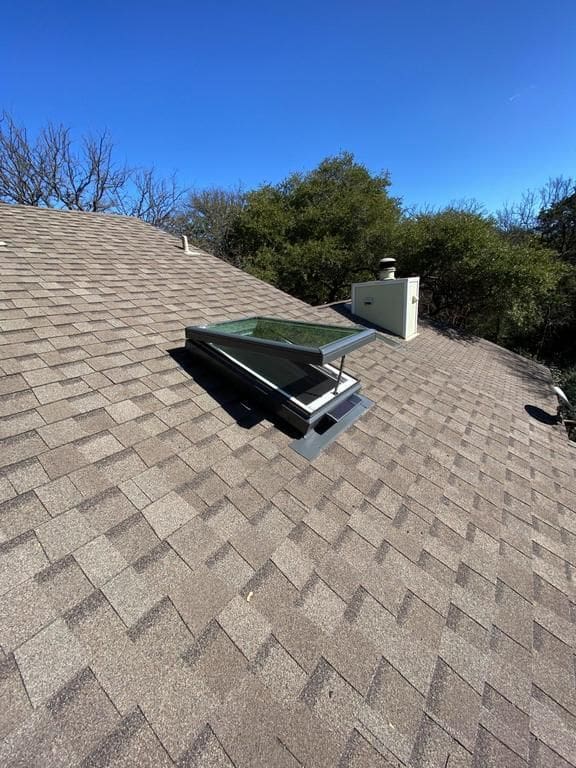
(49, 660)
(16, 704)
(23, 611)
(405, 599)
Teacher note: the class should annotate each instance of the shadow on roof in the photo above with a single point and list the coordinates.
(242, 408)
(542, 416)
(343, 309)
(452, 333)
(535, 376)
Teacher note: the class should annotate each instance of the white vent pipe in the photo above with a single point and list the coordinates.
(387, 270)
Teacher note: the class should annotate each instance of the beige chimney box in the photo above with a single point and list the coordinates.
(389, 303)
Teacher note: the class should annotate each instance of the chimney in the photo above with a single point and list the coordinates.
(390, 303)
(387, 269)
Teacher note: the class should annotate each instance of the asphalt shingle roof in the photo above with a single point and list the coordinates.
(177, 585)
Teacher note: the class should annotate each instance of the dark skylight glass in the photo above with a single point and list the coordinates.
(305, 342)
(306, 384)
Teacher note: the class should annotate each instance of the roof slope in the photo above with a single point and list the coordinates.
(178, 585)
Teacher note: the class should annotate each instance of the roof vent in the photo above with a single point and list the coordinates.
(185, 244)
(387, 270)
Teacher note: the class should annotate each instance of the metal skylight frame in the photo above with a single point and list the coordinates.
(343, 384)
(352, 338)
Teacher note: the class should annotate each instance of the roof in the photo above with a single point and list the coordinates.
(177, 585)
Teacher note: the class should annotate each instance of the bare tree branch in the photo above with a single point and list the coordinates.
(89, 181)
(207, 219)
(153, 199)
(520, 219)
(22, 165)
(555, 190)
(50, 172)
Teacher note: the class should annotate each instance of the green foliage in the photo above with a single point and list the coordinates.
(476, 278)
(557, 227)
(314, 234)
(548, 217)
(207, 219)
(567, 380)
(555, 342)
(264, 225)
(317, 271)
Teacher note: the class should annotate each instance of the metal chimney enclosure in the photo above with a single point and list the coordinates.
(389, 303)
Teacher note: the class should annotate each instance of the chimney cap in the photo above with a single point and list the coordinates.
(387, 269)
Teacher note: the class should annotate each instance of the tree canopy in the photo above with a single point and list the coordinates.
(548, 217)
(315, 233)
(476, 278)
(557, 227)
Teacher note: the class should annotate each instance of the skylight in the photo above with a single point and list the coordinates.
(306, 342)
(285, 365)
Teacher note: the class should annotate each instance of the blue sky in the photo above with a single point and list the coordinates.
(456, 99)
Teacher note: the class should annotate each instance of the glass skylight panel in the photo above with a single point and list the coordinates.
(306, 342)
(290, 331)
(308, 386)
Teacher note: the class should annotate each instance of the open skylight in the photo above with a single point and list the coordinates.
(285, 364)
(306, 342)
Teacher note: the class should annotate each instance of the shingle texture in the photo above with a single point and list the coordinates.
(179, 587)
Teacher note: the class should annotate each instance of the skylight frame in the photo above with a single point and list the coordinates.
(319, 355)
(268, 396)
(345, 384)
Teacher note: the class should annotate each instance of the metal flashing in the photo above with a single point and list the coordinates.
(313, 442)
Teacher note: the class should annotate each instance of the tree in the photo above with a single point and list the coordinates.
(556, 225)
(519, 220)
(152, 199)
(51, 171)
(478, 279)
(207, 219)
(315, 233)
(25, 172)
(548, 217)
(88, 180)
